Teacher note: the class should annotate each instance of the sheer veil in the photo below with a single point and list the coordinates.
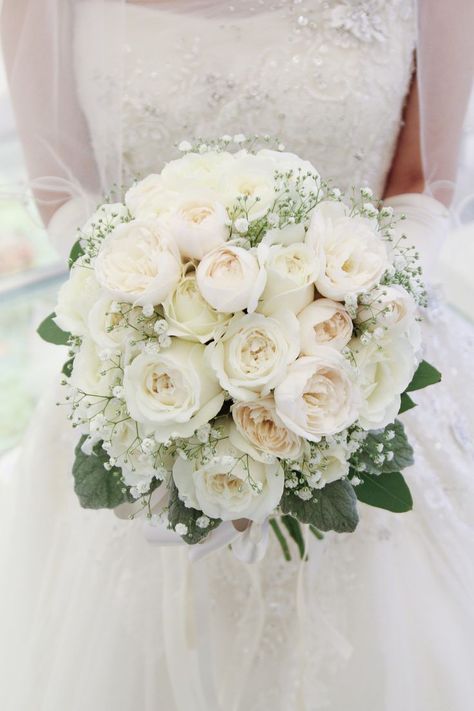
(38, 45)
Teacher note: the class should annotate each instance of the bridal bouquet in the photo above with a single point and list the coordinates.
(241, 340)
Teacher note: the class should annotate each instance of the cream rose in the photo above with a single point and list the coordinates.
(324, 323)
(230, 485)
(291, 272)
(106, 327)
(138, 263)
(76, 297)
(93, 378)
(252, 356)
(386, 368)
(231, 278)
(149, 198)
(258, 431)
(173, 391)
(189, 315)
(318, 396)
(352, 254)
(387, 307)
(198, 223)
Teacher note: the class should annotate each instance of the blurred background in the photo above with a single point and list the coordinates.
(31, 272)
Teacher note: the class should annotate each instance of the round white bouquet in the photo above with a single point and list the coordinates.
(242, 338)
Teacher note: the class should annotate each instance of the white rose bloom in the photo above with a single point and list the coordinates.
(251, 176)
(390, 307)
(258, 431)
(229, 486)
(94, 377)
(334, 466)
(149, 197)
(106, 327)
(284, 236)
(231, 278)
(319, 395)
(105, 218)
(285, 162)
(197, 170)
(76, 298)
(174, 390)
(138, 263)
(352, 253)
(252, 356)
(189, 315)
(197, 223)
(324, 323)
(386, 368)
(291, 272)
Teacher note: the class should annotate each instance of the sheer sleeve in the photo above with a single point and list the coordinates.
(37, 45)
(445, 74)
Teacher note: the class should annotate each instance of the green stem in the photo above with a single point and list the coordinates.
(281, 538)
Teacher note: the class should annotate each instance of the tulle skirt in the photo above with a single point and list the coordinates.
(94, 617)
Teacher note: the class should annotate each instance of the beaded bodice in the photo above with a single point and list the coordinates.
(328, 77)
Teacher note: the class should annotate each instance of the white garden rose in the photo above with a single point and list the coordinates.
(94, 379)
(174, 390)
(252, 356)
(231, 278)
(75, 299)
(291, 273)
(189, 315)
(107, 327)
(334, 466)
(258, 431)
(352, 254)
(197, 223)
(387, 307)
(148, 198)
(229, 485)
(138, 263)
(253, 178)
(319, 395)
(385, 369)
(197, 170)
(324, 323)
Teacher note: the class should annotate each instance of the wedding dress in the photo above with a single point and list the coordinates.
(94, 617)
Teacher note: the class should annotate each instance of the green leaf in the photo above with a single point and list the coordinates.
(179, 513)
(280, 538)
(75, 253)
(385, 491)
(50, 332)
(294, 529)
(67, 367)
(425, 375)
(393, 439)
(333, 508)
(95, 486)
(406, 403)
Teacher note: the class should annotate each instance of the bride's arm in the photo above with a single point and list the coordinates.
(406, 173)
(37, 48)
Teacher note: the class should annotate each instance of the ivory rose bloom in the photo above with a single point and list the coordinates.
(198, 223)
(105, 218)
(291, 272)
(385, 368)
(250, 176)
(352, 254)
(324, 323)
(252, 356)
(229, 485)
(334, 466)
(318, 396)
(390, 307)
(189, 315)
(138, 263)
(258, 431)
(174, 390)
(231, 278)
(106, 327)
(76, 297)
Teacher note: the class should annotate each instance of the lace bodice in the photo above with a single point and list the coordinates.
(328, 77)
